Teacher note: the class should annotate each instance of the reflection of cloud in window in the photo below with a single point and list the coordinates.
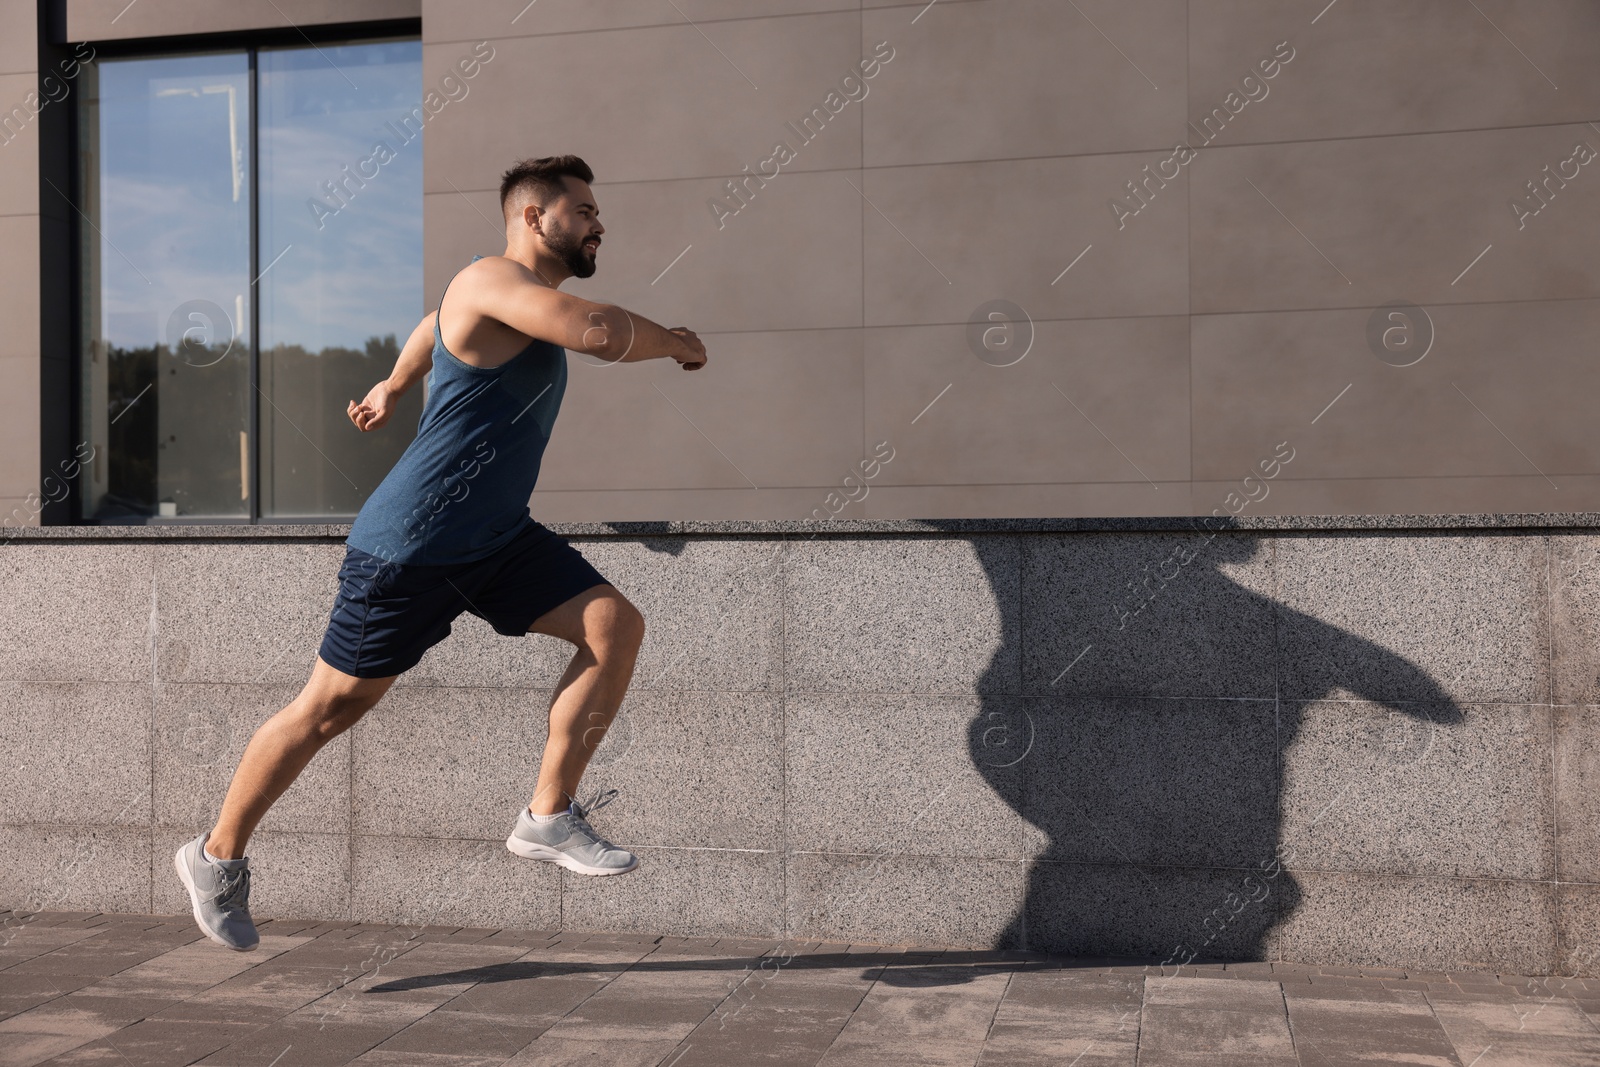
(165, 200)
(362, 277)
(351, 279)
(186, 252)
(173, 190)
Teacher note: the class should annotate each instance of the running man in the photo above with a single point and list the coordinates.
(448, 530)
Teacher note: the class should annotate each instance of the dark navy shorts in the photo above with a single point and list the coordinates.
(388, 614)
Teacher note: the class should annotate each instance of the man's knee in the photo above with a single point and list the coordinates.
(332, 713)
(617, 626)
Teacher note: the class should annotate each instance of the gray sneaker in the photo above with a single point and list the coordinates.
(221, 896)
(570, 841)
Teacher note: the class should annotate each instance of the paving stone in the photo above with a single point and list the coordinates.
(1355, 994)
(382, 1057)
(783, 1016)
(37, 938)
(1427, 976)
(552, 980)
(63, 1024)
(303, 1039)
(328, 927)
(749, 947)
(650, 1006)
(91, 959)
(931, 1021)
(1340, 1029)
(499, 937)
(1190, 1058)
(341, 952)
(466, 935)
(349, 995)
(1212, 993)
(537, 1000)
(188, 969)
(153, 1041)
(756, 1037)
(1041, 1013)
(288, 927)
(1352, 980)
(18, 993)
(463, 1033)
(263, 989)
(254, 1012)
(550, 1051)
(1238, 1034)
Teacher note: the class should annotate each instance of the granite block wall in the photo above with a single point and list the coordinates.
(1365, 743)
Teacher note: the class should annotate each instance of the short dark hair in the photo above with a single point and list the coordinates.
(542, 177)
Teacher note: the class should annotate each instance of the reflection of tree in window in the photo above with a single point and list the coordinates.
(131, 466)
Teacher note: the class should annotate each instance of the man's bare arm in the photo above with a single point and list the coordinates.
(416, 358)
(621, 336)
(508, 293)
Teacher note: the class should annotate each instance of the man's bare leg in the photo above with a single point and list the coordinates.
(330, 704)
(608, 631)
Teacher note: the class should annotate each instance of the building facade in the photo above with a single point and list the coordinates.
(1175, 257)
(1141, 498)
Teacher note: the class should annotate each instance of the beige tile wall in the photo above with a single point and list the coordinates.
(1188, 340)
(1172, 343)
(19, 265)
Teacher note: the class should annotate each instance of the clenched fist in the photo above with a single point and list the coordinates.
(375, 410)
(695, 347)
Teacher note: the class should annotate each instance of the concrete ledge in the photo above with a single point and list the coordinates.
(163, 531)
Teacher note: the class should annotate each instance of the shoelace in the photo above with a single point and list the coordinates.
(595, 802)
(578, 826)
(235, 892)
(580, 815)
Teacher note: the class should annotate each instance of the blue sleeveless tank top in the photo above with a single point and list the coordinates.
(460, 490)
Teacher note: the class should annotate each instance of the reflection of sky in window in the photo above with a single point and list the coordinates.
(174, 190)
(357, 272)
(174, 172)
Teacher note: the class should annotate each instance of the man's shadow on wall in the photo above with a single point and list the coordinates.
(1147, 752)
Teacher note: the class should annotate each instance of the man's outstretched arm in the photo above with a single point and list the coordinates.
(415, 360)
(507, 292)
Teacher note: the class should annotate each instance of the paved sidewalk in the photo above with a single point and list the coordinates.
(137, 990)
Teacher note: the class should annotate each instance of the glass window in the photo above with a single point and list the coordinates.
(167, 360)
(250, 258)
(341, 229)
